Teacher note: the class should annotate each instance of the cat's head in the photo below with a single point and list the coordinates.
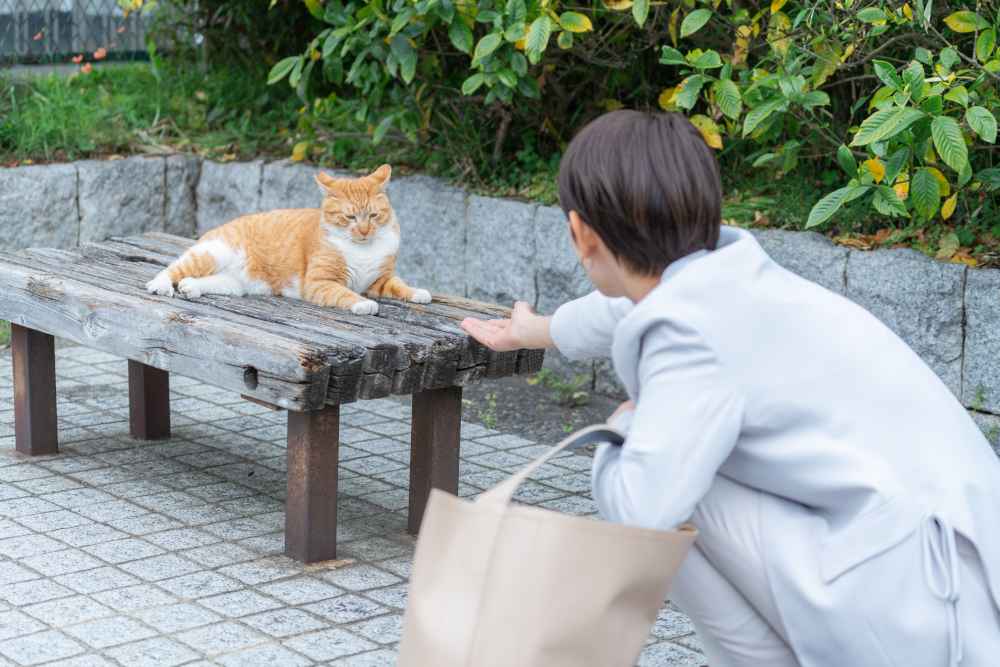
(357, 208)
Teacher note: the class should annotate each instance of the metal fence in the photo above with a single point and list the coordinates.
(46, 31)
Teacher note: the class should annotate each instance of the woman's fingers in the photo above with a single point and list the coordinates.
(493, 334)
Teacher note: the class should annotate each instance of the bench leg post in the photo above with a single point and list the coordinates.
(35, 424)
(148, 401)
(434, 443)
(311, 507)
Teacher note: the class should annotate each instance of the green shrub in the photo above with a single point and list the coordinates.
(902, 97)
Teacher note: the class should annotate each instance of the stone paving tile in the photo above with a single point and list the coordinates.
(124, 553)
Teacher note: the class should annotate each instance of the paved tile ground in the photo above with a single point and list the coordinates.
(118, 552)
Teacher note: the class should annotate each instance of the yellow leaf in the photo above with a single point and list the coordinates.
(968, 261)
(907, 11)
(742, 46)
(667, 98)
(776, 5)
(777, 33)
(965, 21)
(299, 151)
(618, 5)
(847, 53)
(943, 187)
(672, 26)
(520, 44)
(876, 168)
(611, 105)
(315, 54)
(709, 130)
(902, 189)
(948, 208)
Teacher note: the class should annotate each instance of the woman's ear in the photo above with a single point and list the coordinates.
(585, 240)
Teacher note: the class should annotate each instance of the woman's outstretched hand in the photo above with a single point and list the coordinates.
(524, 329)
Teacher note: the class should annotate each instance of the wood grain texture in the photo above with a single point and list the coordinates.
(35, 422)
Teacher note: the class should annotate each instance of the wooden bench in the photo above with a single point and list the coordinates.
(287, 354)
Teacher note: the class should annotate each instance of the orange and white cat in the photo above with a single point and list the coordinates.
(329, 256)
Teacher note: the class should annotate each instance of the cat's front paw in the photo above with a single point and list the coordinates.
(420, 296)
(365, 307)
(188, 287)
(160, 285)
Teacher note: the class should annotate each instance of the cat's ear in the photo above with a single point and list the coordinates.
(327, 183)
(381, 175)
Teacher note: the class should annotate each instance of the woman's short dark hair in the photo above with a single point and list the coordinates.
(648, 185)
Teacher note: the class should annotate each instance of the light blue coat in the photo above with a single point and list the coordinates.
(743, 369)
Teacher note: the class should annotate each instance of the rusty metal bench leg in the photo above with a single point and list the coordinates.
(148, 401)
(434, 442)
(35, 424)
(311, 508)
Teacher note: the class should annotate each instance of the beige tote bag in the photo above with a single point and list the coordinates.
(502, 585)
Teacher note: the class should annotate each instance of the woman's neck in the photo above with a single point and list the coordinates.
(637, 287)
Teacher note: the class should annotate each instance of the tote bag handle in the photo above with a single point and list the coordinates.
(504, 491)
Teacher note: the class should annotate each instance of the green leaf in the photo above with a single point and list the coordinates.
(764, 159)
(690, 89)
(828, 205)
(640, 10)
(507, 78)
(949, 142)
(933, 105)
(759, 114)
(887, 73)
(966, 21)
(529, 88)
(983, 123)
(846, 161)
(985, 44)
(895, 164)
(965, 175)
(401, 21)
(707, 60)
(382, 128)
(460, 36)
(406, 55)
(575, 22)
(990, 178)
(925, 193)
(694, 22)
(815, 98)
(924, 56)
(517, 11)
(473, 83)
(519, 63)
(958, 95)
(871, 15)
(885, 124)
(487, 16)
(487, 45)
(281, 69)
(888, 203)
(727, 96)
(515, 32)
(538, 38)
(565, 40)
(671, 56)
(949, 57)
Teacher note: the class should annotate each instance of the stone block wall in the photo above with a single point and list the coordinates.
(501, 250)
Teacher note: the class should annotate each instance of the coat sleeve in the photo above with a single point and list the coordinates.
(686, 423)
(585, 327)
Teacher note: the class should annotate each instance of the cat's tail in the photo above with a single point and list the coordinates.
(195, 263)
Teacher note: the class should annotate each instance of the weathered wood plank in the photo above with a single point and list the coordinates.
(344, 358)
(290, 373)
(433, 356)
(434, 446)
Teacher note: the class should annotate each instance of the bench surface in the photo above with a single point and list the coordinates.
(281, 351)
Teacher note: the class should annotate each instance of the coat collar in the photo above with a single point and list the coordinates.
(627, 344)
